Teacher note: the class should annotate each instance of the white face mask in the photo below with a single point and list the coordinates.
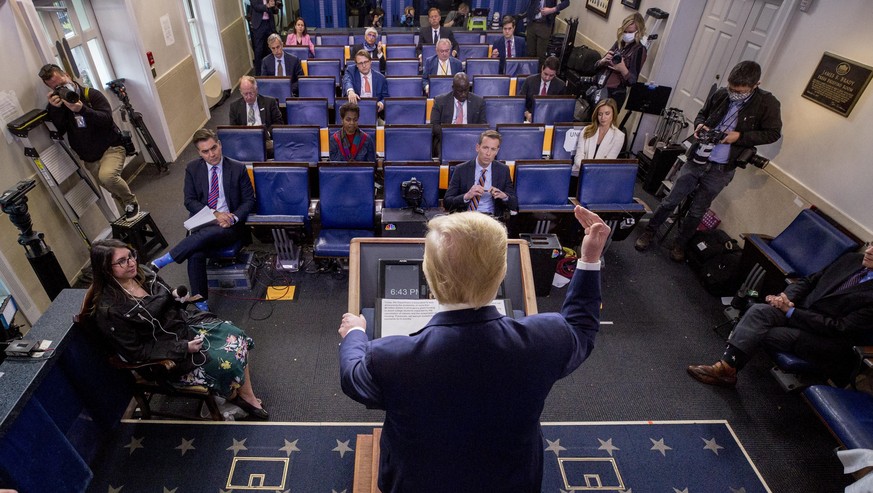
(628, 37)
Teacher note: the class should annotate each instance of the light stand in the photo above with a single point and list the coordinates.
(135, 117)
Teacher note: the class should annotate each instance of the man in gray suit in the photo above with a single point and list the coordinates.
(459, 106)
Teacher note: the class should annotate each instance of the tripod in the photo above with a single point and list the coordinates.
(135, 118)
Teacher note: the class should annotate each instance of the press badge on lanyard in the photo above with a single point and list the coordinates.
(80, 121)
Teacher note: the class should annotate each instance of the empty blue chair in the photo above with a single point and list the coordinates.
(440, 84)
(282, 194)
(301, 52)
(395, 52)
(404, 87)
(468, 37)
(296, 143)
(408, 111)
(848, 414)
(402, 67)
(324, 68)
(427, 51)
(482, 66)
(333, 40)
(330, 53)
(275, 87)
(472, 51)
(553, 109)
(458, 142)
(306, 111)
(347, 207)
(559, 135)
(242, 143)
(366, 108)
(608, 190)
(491, 85)
(491, 37)
(522, 66)
(543, 186)
(521, 141)
(408, 142)
(392, 39)
(504, 109)
(396, 173)
(318, 87)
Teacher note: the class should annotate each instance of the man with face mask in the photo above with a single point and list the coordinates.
(91, 131)
(459, 107)
(745, 116)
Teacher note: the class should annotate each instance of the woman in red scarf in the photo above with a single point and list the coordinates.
(351, 143)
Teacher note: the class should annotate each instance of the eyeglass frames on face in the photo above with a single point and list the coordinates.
(125, 261)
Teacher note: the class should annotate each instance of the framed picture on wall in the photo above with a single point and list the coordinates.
(600, 7)
(634, 4)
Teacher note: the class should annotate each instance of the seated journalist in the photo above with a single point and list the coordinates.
(350, 143)
(140, 315)
(463, 396)
(483, 184)
(819, 318)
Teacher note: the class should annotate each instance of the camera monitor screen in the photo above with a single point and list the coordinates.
(402, 279)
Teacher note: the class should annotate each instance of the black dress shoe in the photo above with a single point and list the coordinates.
(259, 414)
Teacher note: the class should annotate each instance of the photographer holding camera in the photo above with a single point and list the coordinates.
(85, 116)
(620, 66)
(732, 121)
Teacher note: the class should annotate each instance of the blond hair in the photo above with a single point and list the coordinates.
(465, 258)
(591, 129)
(634, 18)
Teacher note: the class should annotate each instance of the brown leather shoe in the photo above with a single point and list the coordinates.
(645, 239)
(677, 253)
(721, 374)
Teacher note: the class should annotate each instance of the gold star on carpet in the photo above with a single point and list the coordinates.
(290, 447)
(186, 445)
(660, 446)
(711, 445)
(134, 444)
(342, 448)
(555, 447)
(238, 445)
(608, 446)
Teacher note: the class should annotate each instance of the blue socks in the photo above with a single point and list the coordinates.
(163, 261)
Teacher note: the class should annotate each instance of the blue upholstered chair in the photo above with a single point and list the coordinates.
(553, 109)
(408, 111)
(428, 173)
(543, 185)
(491, 85)
(458, 142)
(283, 204)
(339, 39)
(427, 51)
(848, 414)
(301, 52)
(504, 109)
(400, 51)
(296, 143)
(440, 84)
(607, 188)
(306, 111)
(331, 53)
(492, 36)
(482, 66)
(318, 87)
(521, 141)
(408, 142)
(472, 51)
(402, 67)
(468, 37)
(392, 39)
(275, 87)
(347, 207)
(559, 134)
(522, 66)
(366, 108)
(404, 87)
(324, 68)
(243, 143)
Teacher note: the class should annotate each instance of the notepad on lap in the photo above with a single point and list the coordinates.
(203, 218)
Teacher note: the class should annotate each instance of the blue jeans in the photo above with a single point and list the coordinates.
(707, 181)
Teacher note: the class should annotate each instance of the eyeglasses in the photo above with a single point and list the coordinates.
(125, 261)
(365, 62)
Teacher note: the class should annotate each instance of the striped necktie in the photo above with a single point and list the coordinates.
(459, 114)
(853, 280)
(212, 198)
(251, 115)
(474, 202)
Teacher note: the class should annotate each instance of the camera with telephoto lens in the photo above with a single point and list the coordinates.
(67, 94)
(700, 151)
(616, 59)
(749, 155)
(413, 193)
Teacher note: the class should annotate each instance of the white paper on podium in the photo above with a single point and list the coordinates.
(404, 317)
(202, 218)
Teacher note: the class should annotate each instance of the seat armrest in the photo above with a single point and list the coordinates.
(164, 365)
(574, 201)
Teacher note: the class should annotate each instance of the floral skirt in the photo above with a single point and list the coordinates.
(223, 358)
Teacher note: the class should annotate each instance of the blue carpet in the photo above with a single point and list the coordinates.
(176, 457)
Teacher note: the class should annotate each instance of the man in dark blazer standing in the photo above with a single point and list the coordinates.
(508, 44)
(253, 109)
(540, 24)
(459, 106)
(221, 185)
(280, 63)
(818, 318)
(463, 395)
(261, 25)
(440, 64)
(482, 184)
(546, 83)
(426, 35)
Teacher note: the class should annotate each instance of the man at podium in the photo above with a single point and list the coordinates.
(463, 396)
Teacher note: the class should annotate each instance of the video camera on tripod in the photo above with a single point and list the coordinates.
(135, 118)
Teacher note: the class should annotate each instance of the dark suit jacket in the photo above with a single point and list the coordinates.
(352, 80)
(462, 180)
(425, 37)
(463, 396)
(444, 108)
(292, 66)
(432, 66)
(237, 187)
(531, 87)
(269, 110)
(499, 46)
(258, 9)
(534, 5)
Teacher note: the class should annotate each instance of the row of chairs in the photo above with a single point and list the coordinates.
(347, 208)
(308, 143)
(404, 38)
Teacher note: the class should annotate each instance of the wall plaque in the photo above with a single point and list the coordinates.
(837, 83)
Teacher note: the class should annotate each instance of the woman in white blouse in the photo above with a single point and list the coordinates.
(601, 139)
